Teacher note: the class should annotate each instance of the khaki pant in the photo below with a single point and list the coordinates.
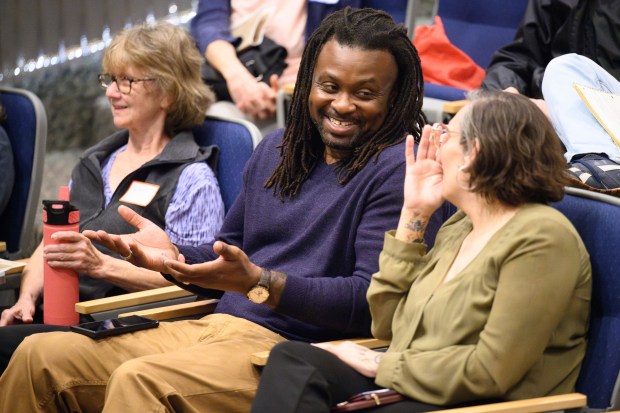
(184, 366)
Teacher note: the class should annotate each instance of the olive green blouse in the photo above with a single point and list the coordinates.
(511, 325)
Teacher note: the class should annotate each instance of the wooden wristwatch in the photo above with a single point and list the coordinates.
(260, 292)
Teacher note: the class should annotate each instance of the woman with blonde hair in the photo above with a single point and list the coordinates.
(151, 76)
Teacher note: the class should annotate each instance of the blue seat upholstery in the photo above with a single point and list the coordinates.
(27, 130)
(236, 140)
(396, 8)
(477, 27)
(597, 219)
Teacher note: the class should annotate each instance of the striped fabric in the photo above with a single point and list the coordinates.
(196, 210)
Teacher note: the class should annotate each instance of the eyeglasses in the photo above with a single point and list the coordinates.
(122, 82)
(440, 134)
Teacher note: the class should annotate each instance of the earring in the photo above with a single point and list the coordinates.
(468, 187)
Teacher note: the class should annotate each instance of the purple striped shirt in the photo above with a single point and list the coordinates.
(196, 210)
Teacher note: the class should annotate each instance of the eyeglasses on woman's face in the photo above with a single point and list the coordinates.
(440, 134)
(122, 82)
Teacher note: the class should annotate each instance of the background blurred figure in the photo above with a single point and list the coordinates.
(152, 81)
(211, 29)
(552, 28)
(471, 319)
(592, 153)
(290, 24)
(576, 126)
(6, 164)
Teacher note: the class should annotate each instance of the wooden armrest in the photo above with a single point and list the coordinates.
(3, 249)
(177, 311)
(539, 404)
(454, 106)
(368, 342)
(259, 359)
(11, 267)
(131, 299)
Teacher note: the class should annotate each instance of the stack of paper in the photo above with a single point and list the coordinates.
(251, 29)
(605, 107)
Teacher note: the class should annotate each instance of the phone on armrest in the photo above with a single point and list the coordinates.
(114, 326)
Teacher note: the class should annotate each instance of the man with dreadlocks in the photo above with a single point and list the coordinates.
(301, 242)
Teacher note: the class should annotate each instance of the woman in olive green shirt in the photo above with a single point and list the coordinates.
(497, 310)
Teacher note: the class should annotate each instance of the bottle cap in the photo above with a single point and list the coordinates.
(60, 213)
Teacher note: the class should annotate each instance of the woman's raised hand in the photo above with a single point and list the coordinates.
(423, 179)
(423, 176)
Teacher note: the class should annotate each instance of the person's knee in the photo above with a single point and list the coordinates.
(289, 349)
(560, 74)
(38, 350)
(292, 354)
(131, 372)
(569, 59)
(558, 66)
(571, 66)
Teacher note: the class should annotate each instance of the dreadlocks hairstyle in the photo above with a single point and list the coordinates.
(301, 147)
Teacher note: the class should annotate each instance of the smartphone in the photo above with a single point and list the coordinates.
(114, 326)
(368, 399)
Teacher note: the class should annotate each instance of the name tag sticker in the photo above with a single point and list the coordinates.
(140, 193)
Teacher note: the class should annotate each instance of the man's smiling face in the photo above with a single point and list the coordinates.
(350, 96)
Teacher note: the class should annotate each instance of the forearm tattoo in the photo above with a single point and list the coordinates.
(378, 358)
(417, 227)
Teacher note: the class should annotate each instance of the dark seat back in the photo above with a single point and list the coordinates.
(236, 140)
(479, 28)
(597, 219)
(26, 126)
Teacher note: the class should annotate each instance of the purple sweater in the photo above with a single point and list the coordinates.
(327, 240)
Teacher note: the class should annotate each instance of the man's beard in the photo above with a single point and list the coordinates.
(346, 144)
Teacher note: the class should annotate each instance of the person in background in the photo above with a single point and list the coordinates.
(578, 129)
(583, 136)
(6, 163)
(552, 28)
(294, 256)
(152, 81)
(470, 320)
(290, 25)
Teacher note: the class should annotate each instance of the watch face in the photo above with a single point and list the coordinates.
(258, 294)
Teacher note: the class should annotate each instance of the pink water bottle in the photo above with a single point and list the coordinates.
(60, 286)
